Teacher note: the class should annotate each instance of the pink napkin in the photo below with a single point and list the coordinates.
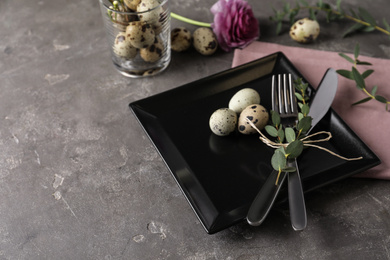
(370, 121)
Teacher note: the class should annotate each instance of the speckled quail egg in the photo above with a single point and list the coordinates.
(132, 4)
(257, 114)
(154, 52)
(204, 41)
(149, 11)
(244, 98)
(181, 39)
(140, 34)
(123, 48)
(305, 30)
(223, 121)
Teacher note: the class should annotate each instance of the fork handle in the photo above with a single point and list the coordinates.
(264, 200)
(296, 199)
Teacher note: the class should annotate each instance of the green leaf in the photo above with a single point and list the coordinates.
(299, 96)
(347, 58)
(275, 118)
(373, 90)
(289, 169)
(358, 79)
(281, 135)
(381, 99)
(368, 29)
(294, 149)
(358, 62)
(278, 160)
(367, 73)
(364, 100)
(367, 16)
(354, 28)
(345, 73)
(305, 109)
(271, 130)
(356, 51)
(305, 124)
(290, 134)
(300, 116)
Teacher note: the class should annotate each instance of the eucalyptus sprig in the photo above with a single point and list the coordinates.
(290, 141)
(359, 78)
(364, 21)
(292, 135)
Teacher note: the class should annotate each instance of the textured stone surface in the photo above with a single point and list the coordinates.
(80, 180)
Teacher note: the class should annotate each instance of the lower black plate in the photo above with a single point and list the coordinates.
(220, 176)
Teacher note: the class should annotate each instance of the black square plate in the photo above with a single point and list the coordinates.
(220, 176)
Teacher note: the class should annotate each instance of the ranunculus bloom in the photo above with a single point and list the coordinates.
(234, 24)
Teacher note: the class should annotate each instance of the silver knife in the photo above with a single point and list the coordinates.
(319, 106)
(264, 200)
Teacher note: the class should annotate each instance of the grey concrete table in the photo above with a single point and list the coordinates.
(79, 179)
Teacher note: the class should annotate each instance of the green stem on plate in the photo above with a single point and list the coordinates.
(190, 21)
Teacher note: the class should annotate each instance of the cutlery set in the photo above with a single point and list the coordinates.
(284, 102)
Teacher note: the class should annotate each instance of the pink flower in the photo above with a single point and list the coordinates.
(234, 24)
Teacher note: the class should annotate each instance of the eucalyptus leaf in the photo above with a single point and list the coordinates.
(373, 90)
(304, 124)
(289, 169)
(358, 79)
(356, 51)
(354, 28)
(358, 62)
(367, 16)
(347, 58)
(345, 73)
(294, 149)
(281, 135)
(364, 100)
(367, 73)
(381, 99)
(299, 96)
(278, 160)
(271, 130)
(290, 134)
(305, 109)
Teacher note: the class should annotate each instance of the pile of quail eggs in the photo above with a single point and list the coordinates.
(139, 33)
(243, 106)
(202, 39)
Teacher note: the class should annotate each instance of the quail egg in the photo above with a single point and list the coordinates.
(123, 48)
(244, 98)
(305, 30)
(154, 52)
(257, 114)
(181, 39)
(223, 121)
(132, 4)
(204, 41)
(140, 34)
(150, 11)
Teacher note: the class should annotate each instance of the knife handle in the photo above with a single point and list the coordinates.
(264, 200)
(296, 199)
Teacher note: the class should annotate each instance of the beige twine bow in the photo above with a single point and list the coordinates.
(307, 143)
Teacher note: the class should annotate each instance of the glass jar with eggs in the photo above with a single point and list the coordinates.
(138, 33)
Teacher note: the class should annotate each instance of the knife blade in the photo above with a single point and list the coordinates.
(265, 199)
(319, 106)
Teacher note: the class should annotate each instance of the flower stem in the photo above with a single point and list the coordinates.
(190, 21)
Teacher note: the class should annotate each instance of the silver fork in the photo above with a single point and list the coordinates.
(283, 102)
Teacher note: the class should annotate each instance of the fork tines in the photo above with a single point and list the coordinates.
(283, 95)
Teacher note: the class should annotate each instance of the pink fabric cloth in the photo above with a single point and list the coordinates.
(370, 121)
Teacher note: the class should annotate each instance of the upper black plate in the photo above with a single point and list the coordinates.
(220, 176)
